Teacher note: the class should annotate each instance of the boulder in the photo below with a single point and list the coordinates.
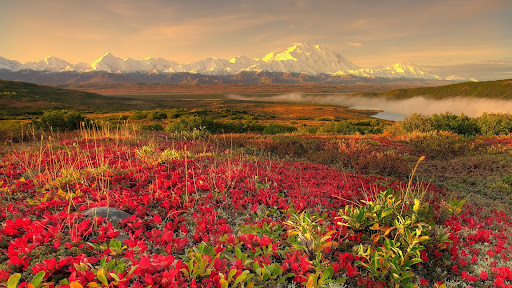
(109, 213)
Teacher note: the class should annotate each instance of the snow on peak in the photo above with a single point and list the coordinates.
(397, 71)
(9, 64)
(50, 63)
(113, 64)
(454, 78)
(301, 57)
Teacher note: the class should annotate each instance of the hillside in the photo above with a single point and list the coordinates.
(20, 98)
(501, 89)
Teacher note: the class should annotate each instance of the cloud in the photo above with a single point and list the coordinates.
(355, 44)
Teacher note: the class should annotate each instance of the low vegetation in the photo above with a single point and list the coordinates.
(248, 210)
(248, 197)
(486, 124)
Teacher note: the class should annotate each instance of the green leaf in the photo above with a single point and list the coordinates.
(241, 277)
(238, 253)
(327, 273)
(113, 275)
(256, 266)
(283, 279)
(231, 274)
(276, 270)
(101, 276)
(410, 262)
(132, 270)
(13, 280)
(266, 275)
(38, 278)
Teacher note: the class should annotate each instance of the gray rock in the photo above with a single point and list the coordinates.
(112, 214)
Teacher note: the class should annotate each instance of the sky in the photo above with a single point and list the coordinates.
(370, 33)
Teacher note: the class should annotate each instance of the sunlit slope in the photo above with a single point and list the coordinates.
(501, 89)
(18, 98)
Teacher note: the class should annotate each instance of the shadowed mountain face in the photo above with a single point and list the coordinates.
(246, 77)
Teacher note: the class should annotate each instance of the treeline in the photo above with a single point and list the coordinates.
(486, 124)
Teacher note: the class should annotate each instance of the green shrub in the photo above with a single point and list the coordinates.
(495, 124)
(152, 127)
(157, 115)
(486, 124)
(323, 119)
(461, 124)
(415, 123)
(343, 127)
(61, 120)
(396, 226)
(175, 113)
(441, 145)
(190, 122)
(351, 127)
(138, 115)
(274, 128)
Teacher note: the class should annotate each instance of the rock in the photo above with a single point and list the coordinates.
(112, 214)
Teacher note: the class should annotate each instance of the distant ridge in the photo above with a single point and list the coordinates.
(302, 58)
(244, 77)
(500, 89)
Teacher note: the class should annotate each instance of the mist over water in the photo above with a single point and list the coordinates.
(396, 109)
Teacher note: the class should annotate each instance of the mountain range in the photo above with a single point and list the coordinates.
(302, 58)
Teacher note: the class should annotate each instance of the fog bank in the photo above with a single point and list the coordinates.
(472, 107)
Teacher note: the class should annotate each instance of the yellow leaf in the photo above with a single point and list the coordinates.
(61, 193)
(423, 238)
(375, 238)
(375, 227)
(93, 285)
(388, 230)
(309, 284)
(325, 245)
(76, 284)
(416, 205)
(101, 276)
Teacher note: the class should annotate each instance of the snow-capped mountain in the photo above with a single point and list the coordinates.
(49, 63)
(398, 70)
(241, 62)
(9, 64)
(208, 66)
(303, 58)
(113, 64)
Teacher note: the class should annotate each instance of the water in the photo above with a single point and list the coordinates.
(389, 116)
